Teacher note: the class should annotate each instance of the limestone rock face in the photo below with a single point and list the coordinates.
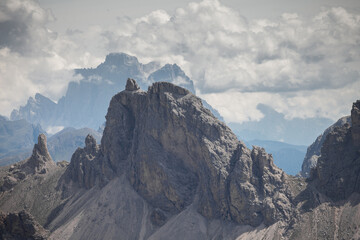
(40, 159)
(355, 119)
(131, 85)
(40, 162)
(257, 189)
(85, 168)
(171, 146)
(314, 150)
(21, 226)
(337, 171)
(172, 149)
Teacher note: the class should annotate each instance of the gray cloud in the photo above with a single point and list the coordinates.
(23, 27)
(222, 51)
(32, 57)
(215, 42)
(302, 67)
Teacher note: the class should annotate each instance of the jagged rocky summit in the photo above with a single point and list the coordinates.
(340, 151)
(85, 102)
(174, 153)
(314, 150)
(167, 168)
(40, 162)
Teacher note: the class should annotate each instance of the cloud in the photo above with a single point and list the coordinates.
(32, 57)
(302, 67)
(236, 106)
(22, 27)
(285, 61)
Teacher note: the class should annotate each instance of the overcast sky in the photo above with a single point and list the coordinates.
(300, 57)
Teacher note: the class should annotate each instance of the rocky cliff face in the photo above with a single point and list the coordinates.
(86, 168)
(314, 150)
(172, 149)
(167, 168)
(257, 189)
(355, 119)
(338, 168)
(40, 162)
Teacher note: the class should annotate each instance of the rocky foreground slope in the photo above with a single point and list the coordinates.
(168, 169)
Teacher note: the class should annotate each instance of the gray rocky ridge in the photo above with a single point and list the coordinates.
(40, 162)
(314, 150)
(131, 85)
(166, 168)
(172, 149)
(85, 102)
(340, 151)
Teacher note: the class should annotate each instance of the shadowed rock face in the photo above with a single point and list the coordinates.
(21, 226)
(314, 150)
(167, 168)
(86, 168)
(171, 146)
(172, 149)
(338, 168)
(355, 119)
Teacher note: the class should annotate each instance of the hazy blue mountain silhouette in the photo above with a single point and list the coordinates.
(85, 102)
(16, 138)
(273, 126)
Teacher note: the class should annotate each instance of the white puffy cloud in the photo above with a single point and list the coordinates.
(302, 67)
(236, 106)
(32, 57)
(286, 63)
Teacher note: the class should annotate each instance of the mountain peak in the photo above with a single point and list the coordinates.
(40, 160)
(131, 85)
(172, 149)
(120, 59)
(174, 74)
(161, 87)
(338, 167)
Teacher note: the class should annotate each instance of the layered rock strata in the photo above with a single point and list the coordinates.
(172, 149)
(337, 173)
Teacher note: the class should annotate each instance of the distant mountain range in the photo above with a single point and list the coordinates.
(85, 102)
(275, 127)
(17, 138)
(166, 168)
